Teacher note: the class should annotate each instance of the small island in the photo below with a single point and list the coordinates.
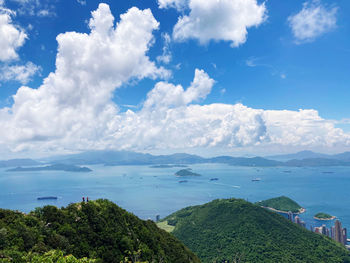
(324, 216)
(168, 166)
(53, 167)
(282, 204)
(186, 172)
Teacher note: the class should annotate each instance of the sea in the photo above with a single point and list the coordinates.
(148, 192)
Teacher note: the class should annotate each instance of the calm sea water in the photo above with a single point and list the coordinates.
(147, 191)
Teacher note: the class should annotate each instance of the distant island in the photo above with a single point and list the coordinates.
(54, 167)
(186, 172)
(282, 204)
(168, 166)
(324, 216)
(47, 198)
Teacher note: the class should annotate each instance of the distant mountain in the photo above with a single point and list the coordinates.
(243, 161)
(298, 156)
(312, 162)
(342, 156)
(18, 162)
(126, 158)
(132, 158)
(114, 158)
(54, 167)
(233, 230)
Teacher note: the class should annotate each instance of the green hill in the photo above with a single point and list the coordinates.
(238, 231)
(281, 203)
(323, 216)
(97, 230)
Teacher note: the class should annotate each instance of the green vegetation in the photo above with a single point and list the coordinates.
(323, 216)
(165, 226)
(98, 230)
(186, 172)
(281, 203)
(53, 256)
(238, 231)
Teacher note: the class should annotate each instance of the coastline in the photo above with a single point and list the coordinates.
(301, 210)
(325, 219)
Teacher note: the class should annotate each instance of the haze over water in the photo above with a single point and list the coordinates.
(147, 191)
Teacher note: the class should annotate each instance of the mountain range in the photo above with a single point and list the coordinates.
(114, 158)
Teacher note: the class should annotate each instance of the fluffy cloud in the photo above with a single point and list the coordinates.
(166, 95)
(166, 56)
(170, 119)
(178, 4)
(82, 2)
(73, 109)
(74, 101)
(312, 21)
(226, 20)
(11, 36)
(41, 8)
(20, 73)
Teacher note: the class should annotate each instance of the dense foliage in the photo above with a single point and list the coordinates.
(53, 256)
(323, 216)
(238, 231)
(281, 203)
(97, 229)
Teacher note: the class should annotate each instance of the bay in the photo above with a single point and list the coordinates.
(147, 191)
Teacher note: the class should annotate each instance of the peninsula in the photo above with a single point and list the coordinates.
(53, 167)
(282, 204)
(324, 216)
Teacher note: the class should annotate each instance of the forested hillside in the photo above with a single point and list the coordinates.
(238, 231)
(97, 230)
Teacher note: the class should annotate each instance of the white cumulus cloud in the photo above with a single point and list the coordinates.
(20, 73)
(74, 101)
(73, 109)
(226, 20)
(12, 37)
(178, 4)
(166, 55)
(312, 21)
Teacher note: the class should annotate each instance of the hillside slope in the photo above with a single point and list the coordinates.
(234, 229)
(97, 229)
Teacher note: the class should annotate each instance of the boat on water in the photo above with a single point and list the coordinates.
(183, 181)
(256, 179)
(47, 198)
(214, 179)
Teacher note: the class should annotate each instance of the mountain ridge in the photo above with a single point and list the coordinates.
(115, 158)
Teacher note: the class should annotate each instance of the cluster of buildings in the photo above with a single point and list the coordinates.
(296, 219)
(336, 232)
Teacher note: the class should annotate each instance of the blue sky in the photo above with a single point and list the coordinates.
(274, 74)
